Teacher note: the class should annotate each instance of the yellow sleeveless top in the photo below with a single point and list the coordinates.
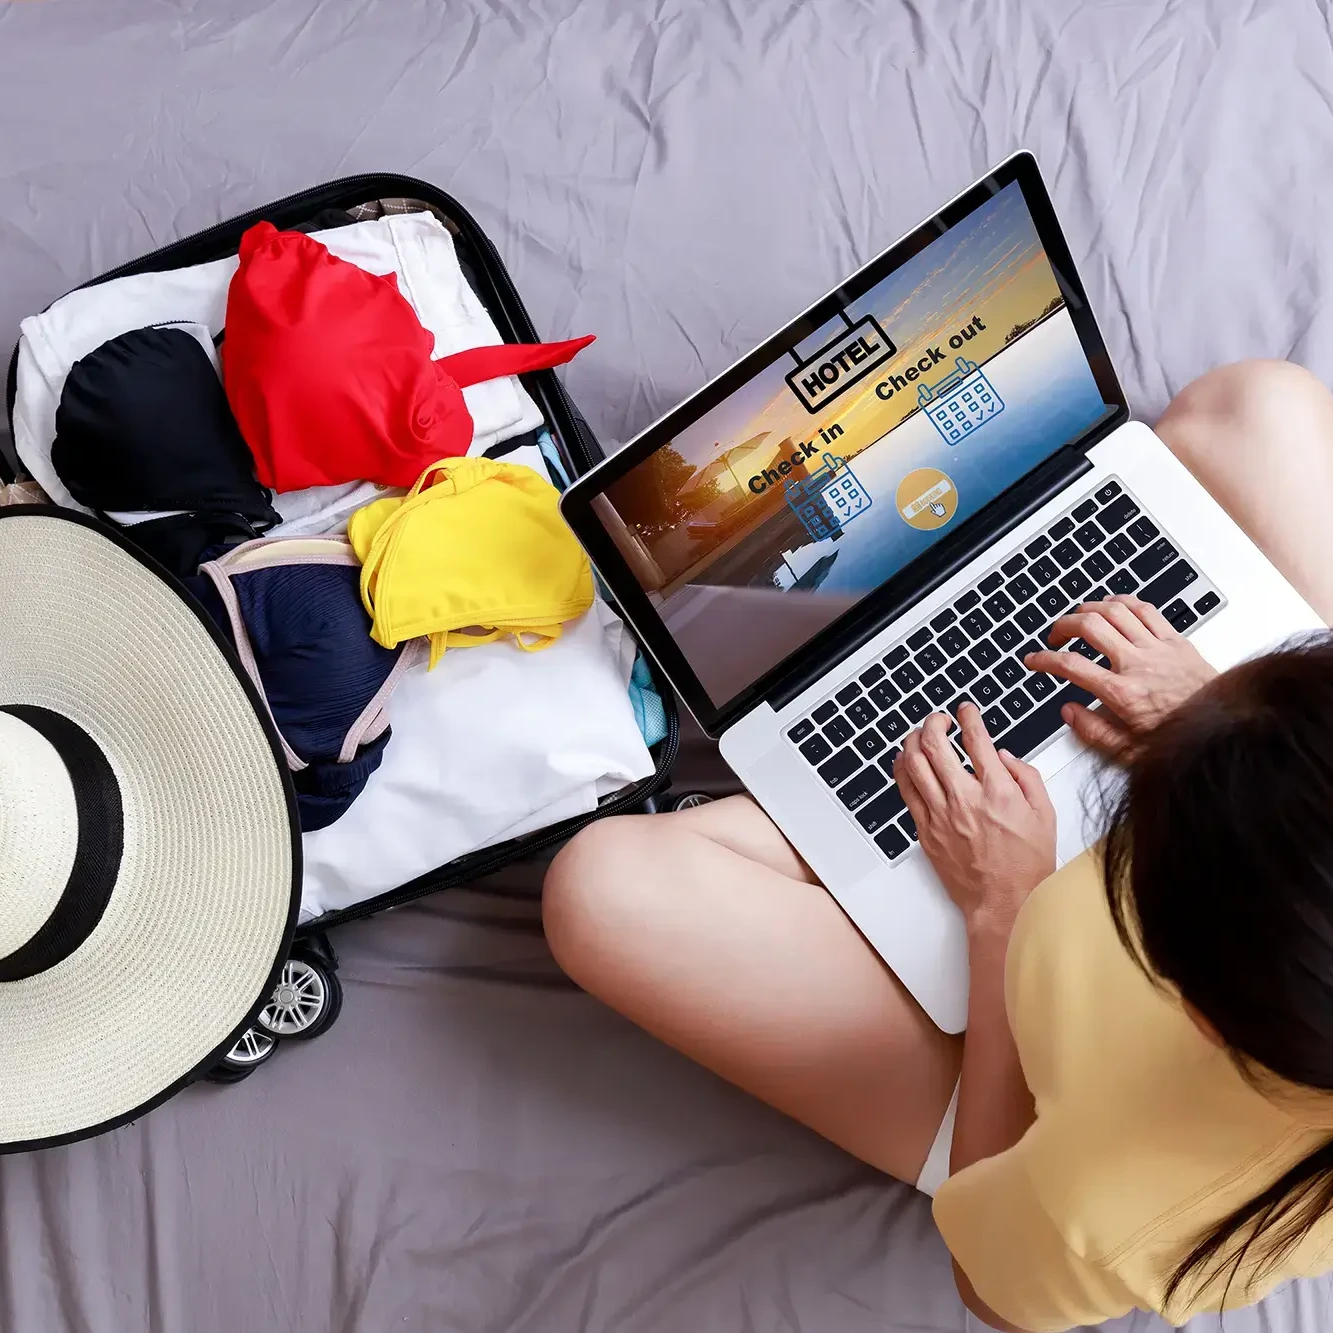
(1146, 1134)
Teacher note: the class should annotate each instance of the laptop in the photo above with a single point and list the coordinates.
(877, 513)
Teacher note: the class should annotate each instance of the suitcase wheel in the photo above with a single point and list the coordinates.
(306, 1000)
(687, 800)
(252, 1048)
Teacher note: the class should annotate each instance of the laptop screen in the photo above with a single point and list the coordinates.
(852, 451)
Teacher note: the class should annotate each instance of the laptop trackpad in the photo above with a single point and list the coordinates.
(1078, 793)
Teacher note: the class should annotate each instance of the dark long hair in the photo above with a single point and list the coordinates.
(1219, 872)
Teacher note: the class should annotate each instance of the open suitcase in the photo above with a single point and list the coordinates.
(308, 997)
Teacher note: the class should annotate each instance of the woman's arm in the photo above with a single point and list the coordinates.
(991, 839)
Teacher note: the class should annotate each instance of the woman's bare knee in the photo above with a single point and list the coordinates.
(1244, 401)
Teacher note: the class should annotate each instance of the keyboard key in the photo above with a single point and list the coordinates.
(892, 726)
(967, 601)
(1178, 615)
(896, 657)
(871, 674)
(1015, 704)
(1007, 636)
(892, 842)
(1084, 649)
(862, 787)
(907, 677)
(1097, 566)
(907, 824)
(1143, 531)
(919, 638)
(956, 703)
(801, 730)
(1098, 594)
(1044, 721)
(1034, 548)
(915, 708)
(870, 743)
(1067, 554)
(997, 607)
(1013, 565)
(884, 695)
(1123, 582)
(1089, 536)
(985, 690)
(838, 769)
(1207, 602)
(816, 749)
(953, 641)
(1039, 685)
(825, 711)
(996, 720)
(1032, 646)
(961, 671)
(862, 712)
(1083, 512)
(990, 583)
(1052, 602)
(1117, 514)
(1107, 492)
(1029, 619)
(984, 653)
(1061, 529)
(1020, 588)
(1009, 673)
(877, 813)
(930, 658)
(839, 730)
(937, 690)
(848, 693)
(976, 624)
(1076, 583)
(944, 620)
(1119, 548)
(1044, 571)
(887, 761)
(1167, 584)
(1147, 563)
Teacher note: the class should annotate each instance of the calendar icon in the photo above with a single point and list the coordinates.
(828, 499)
(961, 402)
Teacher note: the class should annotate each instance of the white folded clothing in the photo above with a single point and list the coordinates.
(415, 246)
(493, 743)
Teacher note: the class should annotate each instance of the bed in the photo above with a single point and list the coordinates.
(477, 1146)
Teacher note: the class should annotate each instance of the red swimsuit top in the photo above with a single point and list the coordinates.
(329, 374)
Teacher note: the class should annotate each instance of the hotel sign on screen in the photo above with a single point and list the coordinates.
(839, 364)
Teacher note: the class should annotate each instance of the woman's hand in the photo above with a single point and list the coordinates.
(990, 836)
(1153, 671)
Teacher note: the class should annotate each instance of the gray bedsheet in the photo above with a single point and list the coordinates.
(476, 1146)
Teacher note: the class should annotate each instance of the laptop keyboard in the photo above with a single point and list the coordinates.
(974, 649)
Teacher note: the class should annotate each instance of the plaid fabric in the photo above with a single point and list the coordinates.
(385, 208)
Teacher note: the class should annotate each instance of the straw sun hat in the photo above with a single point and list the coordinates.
(149, 856)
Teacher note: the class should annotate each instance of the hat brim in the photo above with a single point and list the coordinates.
(208, 889)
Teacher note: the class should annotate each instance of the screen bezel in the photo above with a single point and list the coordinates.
(887, 599)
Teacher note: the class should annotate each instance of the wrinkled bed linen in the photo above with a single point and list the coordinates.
(476, 1148)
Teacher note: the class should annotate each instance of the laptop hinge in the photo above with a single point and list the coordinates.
(999, 519)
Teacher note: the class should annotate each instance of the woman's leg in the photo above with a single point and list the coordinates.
(1259, 436)
(707, 929)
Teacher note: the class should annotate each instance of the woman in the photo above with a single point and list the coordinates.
(1169, 998)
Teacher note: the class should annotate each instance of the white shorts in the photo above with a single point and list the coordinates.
(936, 1170)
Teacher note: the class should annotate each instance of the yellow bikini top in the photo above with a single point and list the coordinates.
(476, 550)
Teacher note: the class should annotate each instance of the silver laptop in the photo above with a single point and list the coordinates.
(878, 513)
